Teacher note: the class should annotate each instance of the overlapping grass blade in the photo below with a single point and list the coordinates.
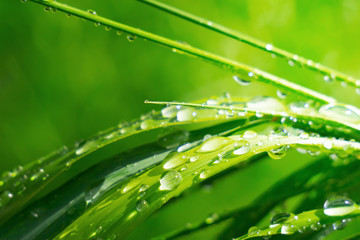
(293, 59)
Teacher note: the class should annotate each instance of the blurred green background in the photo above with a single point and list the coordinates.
(63, 79)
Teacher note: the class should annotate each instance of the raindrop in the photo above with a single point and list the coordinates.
(204, 174)
(328, 144)
(291, 63)
(186, 114)
(242, 147)
(278, 153)
(241, 81)
(249, 134)
(143, 187)
(278, 219)
(131, 38)
(142, 206)
(270, 104)
(91, 12)
(184, 147)
(119, 32)
(253, 231)
(175, 161)
(87, 146)
(194, 158)
(269, 46)
(328, 79)
(341, 112)
(212, 218)
(281, 94)
(169, 112)
(287, 229)
(170, 180)
(339, 206)
(213, 144)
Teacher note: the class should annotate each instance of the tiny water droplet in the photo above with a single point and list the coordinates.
(131, 38)
(142, 206)
(269, 46)
(281, 94)
(169, 112)
(339, 206)
(91, 12)
(204, 174)
(242, 147)
(241, 81)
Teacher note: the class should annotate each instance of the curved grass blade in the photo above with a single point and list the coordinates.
(121, 210)
(246, 72)
(311, 220)
(293, 59)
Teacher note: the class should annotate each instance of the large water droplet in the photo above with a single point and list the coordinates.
(170, 180)
(278, 153)
(242, 147)
(169, 112)
(213, 144)
(288, 229)
(341, 112)
(175, 160)
(261, 103)
(278, 219)
(249, 134)
(186, 114)
(339, 206)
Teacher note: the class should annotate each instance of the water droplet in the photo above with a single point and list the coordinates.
(119, 32)
(170, 180)
(268, 103)
(304, 135)
(143, 187)
(184, 147)
(278, 219)
(147, 123)
(291, 63)
(328, 144)
(186, 114)
(278, 153)
(169, 112)
(250, 74)
(287, 229)
(91, 12)
(213, 144)
(212, 218)
(327, 78)
(131, 38)
(241, 81)
(341, 112)
(339, 206)
(194, 158)
(142, 206)
(175, 160)
(242, 147)
(204, 174)
(269, 46)
(281, 94)
(107, 28)
(253, 231)
(89, 145)
(249, 134)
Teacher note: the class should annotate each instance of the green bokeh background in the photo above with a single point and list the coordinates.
(63, 79)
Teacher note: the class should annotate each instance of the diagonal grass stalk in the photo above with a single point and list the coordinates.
(246, 72)
(293, 59)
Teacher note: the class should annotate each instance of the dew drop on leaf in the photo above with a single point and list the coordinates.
(241, 81)
(242, 147)
(186, 114)
(278, 219)
(254, 230)
(278, 153)
(169, 112)
(170, 180)
(339, 206)
(268, 103)
(142, 206)
(341, 112)
(213, 144)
